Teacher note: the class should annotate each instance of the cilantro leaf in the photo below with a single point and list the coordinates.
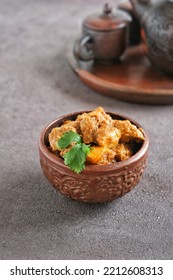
(75, 158)
(67, 138)
(85, 148)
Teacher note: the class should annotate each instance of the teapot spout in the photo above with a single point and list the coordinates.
(140, 7)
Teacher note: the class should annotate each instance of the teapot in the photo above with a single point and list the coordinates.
(156, 21)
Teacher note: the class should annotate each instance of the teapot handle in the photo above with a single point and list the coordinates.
(81, 49)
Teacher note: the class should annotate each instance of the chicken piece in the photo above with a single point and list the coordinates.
(108, 136)
(123, 151)
(98, 113)
(88, 127)
(57, 132)
(69, 122)
(100, 155)
(128, 131)
(74, 124)
(90, 122)
(101, 116)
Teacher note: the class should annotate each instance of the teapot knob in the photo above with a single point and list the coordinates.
(144, 1)
(107, 9)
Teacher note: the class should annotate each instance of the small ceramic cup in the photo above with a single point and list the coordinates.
(105, 36)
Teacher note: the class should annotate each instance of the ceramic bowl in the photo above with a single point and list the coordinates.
(97, 183)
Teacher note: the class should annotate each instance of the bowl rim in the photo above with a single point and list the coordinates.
(117, 166)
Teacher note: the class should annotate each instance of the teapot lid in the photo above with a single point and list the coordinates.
(107, 20)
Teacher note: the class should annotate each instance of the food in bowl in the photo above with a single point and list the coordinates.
(94, 138)
(96, 183)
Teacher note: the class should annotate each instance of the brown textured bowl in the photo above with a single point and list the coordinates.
(97, 183)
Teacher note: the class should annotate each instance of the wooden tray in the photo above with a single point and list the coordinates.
(132, 79)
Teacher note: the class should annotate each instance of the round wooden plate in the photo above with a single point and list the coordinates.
(131, 79)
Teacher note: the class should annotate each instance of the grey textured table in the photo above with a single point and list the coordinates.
(36, 86)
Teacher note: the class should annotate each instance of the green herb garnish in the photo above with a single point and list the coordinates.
(75, 158)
